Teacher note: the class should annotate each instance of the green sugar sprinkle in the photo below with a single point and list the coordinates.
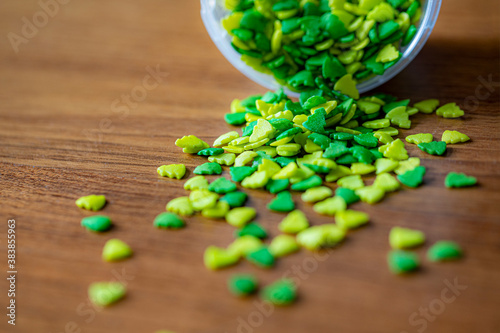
(106, 293)
(281, 292)
(402, 261)
(444, 250)
(169, 221)
(242, 284)
(98, 223)
(454, 179)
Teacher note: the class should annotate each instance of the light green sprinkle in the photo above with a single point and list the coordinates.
(240, 216)
(402, 238)
(191, 144)
(216, 258)
(176, 171)
(370, 194)
(321, 236)
(91, 202)
(115, 250)
(316, 194)
(452, 137)
(106, 293)
(219, 211)
(350, 219)
(419, 138)
(283, 245)
(294, 222)
(196, 183)
(201, 199)
(330, 206)
(181, 206)
(223, 159)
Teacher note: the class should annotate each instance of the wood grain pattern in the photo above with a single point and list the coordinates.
(62, 136)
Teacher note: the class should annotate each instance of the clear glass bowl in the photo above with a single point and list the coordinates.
(213, 11)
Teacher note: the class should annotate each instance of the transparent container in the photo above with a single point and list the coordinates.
(213, 11)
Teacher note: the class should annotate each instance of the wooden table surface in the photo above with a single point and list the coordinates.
(67, 130)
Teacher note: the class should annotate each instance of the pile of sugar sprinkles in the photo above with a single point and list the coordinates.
(284, 147)
(311, 44)
(302, 146)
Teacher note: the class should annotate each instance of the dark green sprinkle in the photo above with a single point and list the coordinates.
(321, 140)
(376, 153)
(387, 28)
(376, 67)
(396, 3)
(454, 179)
(342, 136)
(294, 107)
(362, 154)
(277, 185)
(290, 25)
(335, 27)
(235, 119)
(308, 183)
(243, 34)
(284, 161)
(413, 178)
(314, 101)
(211, 152)
(316, 121)
(367, 140)
(346, 159)
(261, 257)
(333, 68)
(281, 292)
(433, 148)
(283, 202)
(250, 101)
(253, 20)
(242, 284)
(208, 169)
(348, 195)
(235, 199)
(252, 229)
(97, 223)
(412, 9)
(410, 33)
(290, 132)
(302, 80)
(281, 124)
(389, 106)
(222, 186)
(444, 250)
(402, 261)
(169, 221)
(285, 5)
(334, 150)
(248, 130)
(240, 173)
